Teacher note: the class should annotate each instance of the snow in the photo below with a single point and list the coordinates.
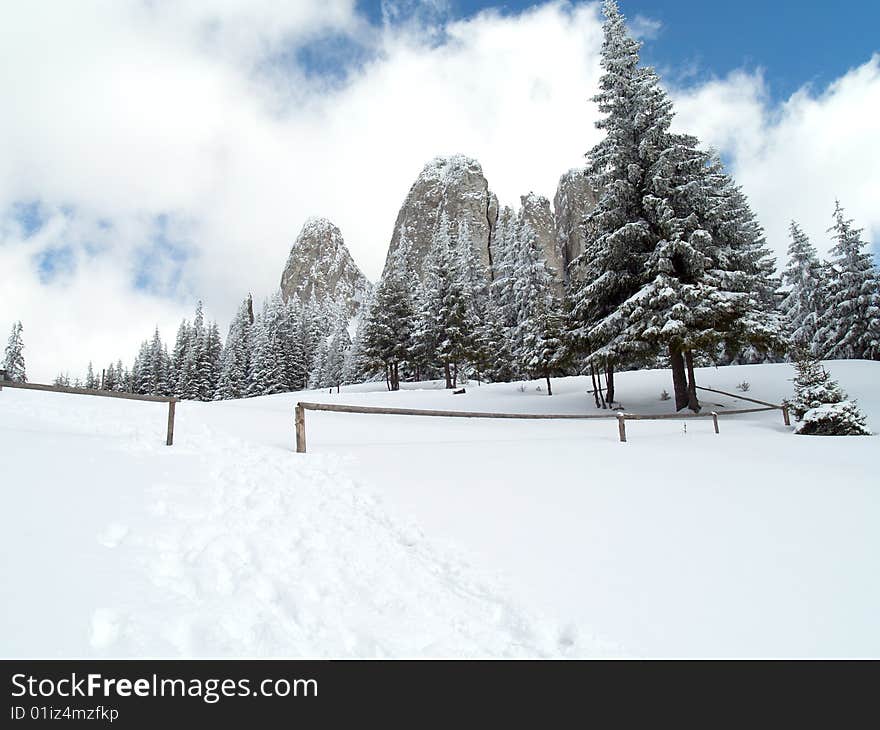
(405, 536)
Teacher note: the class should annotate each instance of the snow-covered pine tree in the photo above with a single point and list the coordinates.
(269, 366)
(504, 268)
(357, 367)
(850, 325)
(235, 358)
(177, 377)
(185, 357)
(334, 372)
(209, 349)
(539, 314)
(110, 378)
(318, 367)
(13, 356)
(677, 261)
(819, 404)
(449, 319)
(62, 379)
(487, 350)
(158, 366)
(803, 276)
(609, 270)
(123, 376)
(297, 332)
(387, 330)
(93, 382)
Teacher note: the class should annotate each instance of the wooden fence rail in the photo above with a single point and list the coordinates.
(783, 407)
(622, 417)
(169, 438)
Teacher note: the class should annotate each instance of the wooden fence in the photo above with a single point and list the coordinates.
(622, 417)
(169, 438)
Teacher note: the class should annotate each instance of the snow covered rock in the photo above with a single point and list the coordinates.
(536, 217)
(451, 188)
(320, 267)
(574, 199)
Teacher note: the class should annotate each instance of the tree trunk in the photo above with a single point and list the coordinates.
(448, 374)
(609, 381)
(595, 384)
(387, 377)
(693, 401)
(549, 389)
(679, 378)
(454, 374)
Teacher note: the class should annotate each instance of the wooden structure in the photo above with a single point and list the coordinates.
(169, 438)
(621, 416)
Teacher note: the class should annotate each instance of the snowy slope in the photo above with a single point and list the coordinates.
(405, 536)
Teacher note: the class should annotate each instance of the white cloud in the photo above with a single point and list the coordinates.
(794, 160)
(645, 28)
(126, 110)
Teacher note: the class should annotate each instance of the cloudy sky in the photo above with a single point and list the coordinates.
(154, 152)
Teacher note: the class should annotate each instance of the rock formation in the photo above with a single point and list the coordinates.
(448, 188)
(574, 199)
(320, 268)
(535, 213)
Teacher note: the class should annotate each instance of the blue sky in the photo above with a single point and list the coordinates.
(794, 42)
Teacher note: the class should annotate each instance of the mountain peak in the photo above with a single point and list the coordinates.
(320, 267)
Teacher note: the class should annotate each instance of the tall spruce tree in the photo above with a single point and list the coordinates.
(387, 330)
(13, 356)
(850, 325)
(676, 261)
(236, 354)
(539, 314)
(803, 276)
(334, 371)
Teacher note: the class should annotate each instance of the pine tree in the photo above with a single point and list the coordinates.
(449, 322)
(318, 367)
(539, 315)
(850, 325)
(387, 330)
(178, 378)
(334, 372)
(157, 366)
(93, 382)
(819, 404)
(236, 355)
(357, 366)
(803, 276)
(13, 359)
(677, 261)
(268, 372)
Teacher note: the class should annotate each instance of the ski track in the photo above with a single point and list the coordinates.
(229, 567)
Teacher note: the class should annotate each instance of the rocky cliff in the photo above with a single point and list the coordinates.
(320, 268)
(451, 189)
(574, 199)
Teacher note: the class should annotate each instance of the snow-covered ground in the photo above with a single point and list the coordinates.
(407, 536)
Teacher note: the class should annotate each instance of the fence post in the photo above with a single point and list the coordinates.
(785, 416)
(300, 429)
(715, 420)
(169, 441)
(621, 427)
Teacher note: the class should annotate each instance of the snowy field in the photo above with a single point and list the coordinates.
(405, 536)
